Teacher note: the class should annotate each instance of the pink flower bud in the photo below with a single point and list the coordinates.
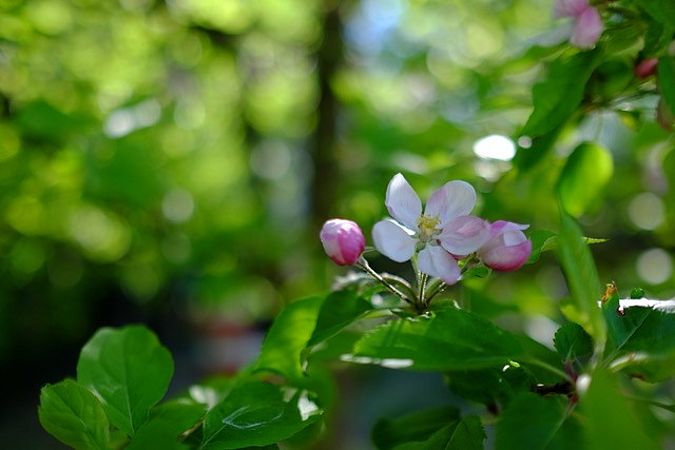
(646, 68)
(587, 28)
(343, 241)
(508, 248)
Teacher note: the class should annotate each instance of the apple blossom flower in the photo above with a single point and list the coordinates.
(508, 248)
(587, 29)
(588, 24)
(569, 8)
(343, 241)
(444, 231)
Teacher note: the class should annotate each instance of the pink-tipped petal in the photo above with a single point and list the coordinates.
(393, 241)
(454, 199)
(464, 235)
(508, 248)
(569, 8)
(403, 202)
(343, 241)
(587, 29)
(435, 261)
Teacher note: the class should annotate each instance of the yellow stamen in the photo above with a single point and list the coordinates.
(428, 227)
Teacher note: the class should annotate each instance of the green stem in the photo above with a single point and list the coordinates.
(363, 265)
(423, 286)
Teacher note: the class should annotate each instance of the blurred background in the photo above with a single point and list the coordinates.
(170, 162)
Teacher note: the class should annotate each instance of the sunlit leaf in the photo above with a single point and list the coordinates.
(641, 336)
(282, 350)
(449, 339)
(586, 172)
(129, 370)
(166, 423)
(73, 415)
(582, 278)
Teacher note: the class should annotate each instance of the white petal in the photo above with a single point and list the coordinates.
(402, 202)
(435, 261)
(454, 199)
(393, 241)
(464, 235)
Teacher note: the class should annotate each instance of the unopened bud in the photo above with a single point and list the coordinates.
(343, 241)
(646, 68)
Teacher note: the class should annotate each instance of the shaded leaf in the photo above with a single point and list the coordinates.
(572, 342)
(468, 435)
(73, 415)
(559, 95)
(611, 422)
(257, 414)
(417, 426)
(338, 310)
(129, 370)
(533, 422)
(666, 73)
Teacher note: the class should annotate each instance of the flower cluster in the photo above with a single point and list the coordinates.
(440, 238)
(588, 24)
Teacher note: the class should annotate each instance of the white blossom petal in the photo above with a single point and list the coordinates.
(454, 199)
(464, 235)
(435, 261)
(403, 202)
(393, 241)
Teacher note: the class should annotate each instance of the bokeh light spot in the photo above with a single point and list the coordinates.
(646, 211)
(495, 146)
(654, 266)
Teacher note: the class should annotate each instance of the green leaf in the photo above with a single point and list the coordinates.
(662, 11)
(542, 240)
(490, 386)
(165, 425)
(417, 426)
(541, 146)
(572, 342)
(257, 414)
(582, 278)
(338, 310)
(641, 340)
(73, 415)
(666, 72)
(468, 435)
(559, 95)
(284, 345)
(611, 422)
(586, 172)
(130, 372)
(449, 339)
(533, 422)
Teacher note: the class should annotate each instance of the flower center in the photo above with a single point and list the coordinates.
(428, 227)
